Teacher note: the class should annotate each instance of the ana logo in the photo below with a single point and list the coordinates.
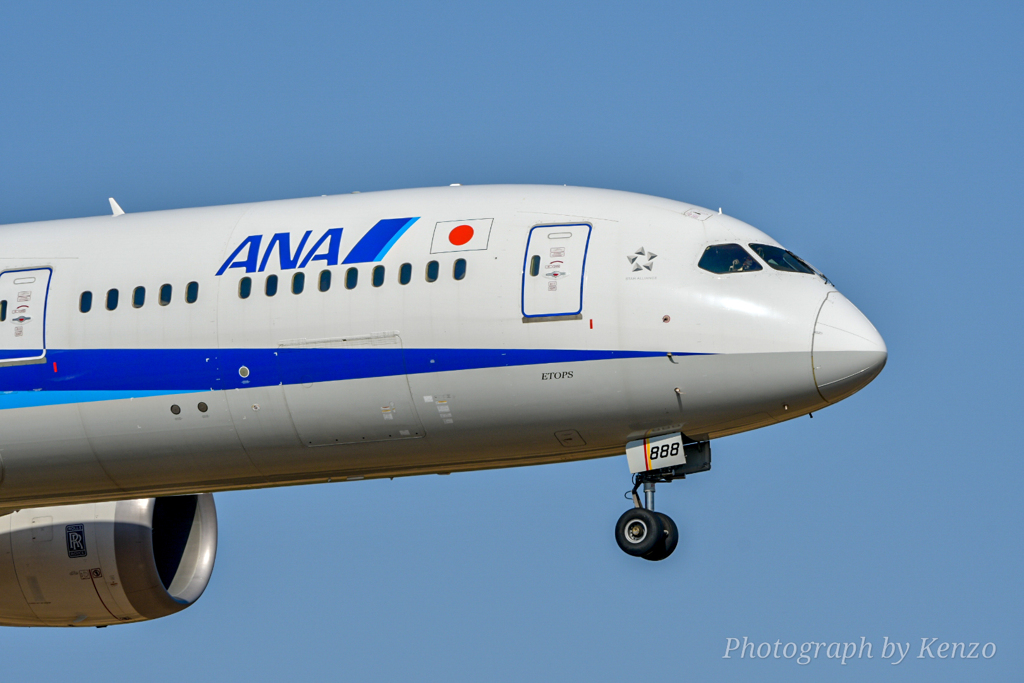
(636, 259)
(327, 248)
(324, 249)
(75, 535)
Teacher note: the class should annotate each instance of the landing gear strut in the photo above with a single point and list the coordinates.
(641, 531)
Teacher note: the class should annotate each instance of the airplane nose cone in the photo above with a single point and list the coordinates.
(847, 351)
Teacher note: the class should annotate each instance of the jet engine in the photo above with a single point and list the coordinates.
(96, 564)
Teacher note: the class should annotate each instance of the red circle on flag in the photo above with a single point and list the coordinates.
(460, 235)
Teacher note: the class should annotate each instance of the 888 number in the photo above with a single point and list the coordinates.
(664, 450)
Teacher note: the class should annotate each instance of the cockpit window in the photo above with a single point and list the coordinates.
(780, 259)
(727, 258)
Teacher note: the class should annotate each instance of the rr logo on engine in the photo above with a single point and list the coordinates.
(75, 535)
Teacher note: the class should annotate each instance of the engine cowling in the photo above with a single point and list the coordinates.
(97, 564)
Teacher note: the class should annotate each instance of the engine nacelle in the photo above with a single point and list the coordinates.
(105, 563)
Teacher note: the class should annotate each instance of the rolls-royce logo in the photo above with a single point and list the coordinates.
(75, 535)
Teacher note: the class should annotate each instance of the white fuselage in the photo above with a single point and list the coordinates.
(617, 336)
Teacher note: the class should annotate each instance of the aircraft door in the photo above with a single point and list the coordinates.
(554, 270)
(23, 315)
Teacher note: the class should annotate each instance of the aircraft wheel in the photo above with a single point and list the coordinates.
(639, 531)
(669, 540)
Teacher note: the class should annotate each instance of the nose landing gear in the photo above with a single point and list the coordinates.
(642, 532)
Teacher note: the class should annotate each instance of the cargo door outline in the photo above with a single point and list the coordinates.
(339, 411)
(570, 263)
(15, 347)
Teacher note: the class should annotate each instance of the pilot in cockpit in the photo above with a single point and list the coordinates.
(737, 267)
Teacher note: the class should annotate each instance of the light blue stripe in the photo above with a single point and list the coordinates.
(391, 242)
(32, 399)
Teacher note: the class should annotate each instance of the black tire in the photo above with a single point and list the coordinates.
(669, 540)
(638, 531)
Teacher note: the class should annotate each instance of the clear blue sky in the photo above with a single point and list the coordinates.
(881, 141)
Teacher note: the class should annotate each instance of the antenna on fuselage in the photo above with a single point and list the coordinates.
(115, 209)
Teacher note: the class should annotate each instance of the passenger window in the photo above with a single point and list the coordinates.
(244, 288)
(271, 287)
(405, 274)
(191, 292)
(378, 276)
(351, 278)
(780, 259)
(535, 266)
(3, 307)
(459, 270)
(84, 305)
(111, 299)
(727, 258)
(432, 271)
(138, 297)
(325, 280)
(165, 295)
(298, 283)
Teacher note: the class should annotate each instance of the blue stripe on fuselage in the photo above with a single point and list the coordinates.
(84, 375)
(378, 240)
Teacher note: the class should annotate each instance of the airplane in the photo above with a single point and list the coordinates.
(150, 359)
